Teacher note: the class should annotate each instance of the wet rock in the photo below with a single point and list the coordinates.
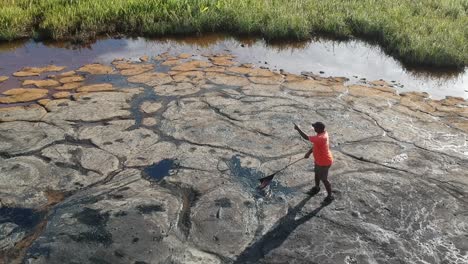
(36, 71)
(96, 69)
(96, 88)
(151, 78)
(170, 63)
(195, 77)
(144, 58)
(3, 78)
(41, 83)
(150, 107)
(22, 113)
(71, 79)
(19, 95)
(222, 61)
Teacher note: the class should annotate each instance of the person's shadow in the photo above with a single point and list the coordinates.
(276, 236)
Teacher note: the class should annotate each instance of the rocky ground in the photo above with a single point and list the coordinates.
(157, 160)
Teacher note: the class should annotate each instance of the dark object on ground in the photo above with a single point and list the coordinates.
(265, 181)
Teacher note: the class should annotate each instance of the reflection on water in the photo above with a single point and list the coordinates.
(353, 59)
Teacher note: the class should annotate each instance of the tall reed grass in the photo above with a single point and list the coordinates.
(430, 32)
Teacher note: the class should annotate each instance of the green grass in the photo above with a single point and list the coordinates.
(429, 32)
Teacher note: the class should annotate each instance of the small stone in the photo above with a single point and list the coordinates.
(144, 58)
(71, 79)
(96, 68)
(150, 107)
(96, 88)
(61, 95)
(3, 78)
(321, 72)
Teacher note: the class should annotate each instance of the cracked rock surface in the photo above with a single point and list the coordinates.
(160, 164)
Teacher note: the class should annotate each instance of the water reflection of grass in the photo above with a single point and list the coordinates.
(431, 32)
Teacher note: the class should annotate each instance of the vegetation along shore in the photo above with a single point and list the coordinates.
(431, 32)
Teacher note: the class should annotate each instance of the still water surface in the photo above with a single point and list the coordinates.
(353, 59)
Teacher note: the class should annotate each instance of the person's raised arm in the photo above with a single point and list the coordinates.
(303, 135)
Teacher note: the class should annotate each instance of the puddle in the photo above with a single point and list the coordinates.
(158, 171)
(353, 59)
(25, 218)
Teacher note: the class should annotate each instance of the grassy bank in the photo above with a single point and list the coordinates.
(430, 32)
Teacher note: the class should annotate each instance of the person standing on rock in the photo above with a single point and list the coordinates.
(322, 157)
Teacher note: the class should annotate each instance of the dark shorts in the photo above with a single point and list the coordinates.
(321, 172)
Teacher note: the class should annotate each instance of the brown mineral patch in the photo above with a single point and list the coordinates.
(253, 72)
(453, 101)
(96, 88)
(418, 95)
(61, 95)
(54, 197)
(373, 92)
(416, 103)
(3, 78)
(267, 80)
(225, 79)
(151, 78)
(144, 58)
(44, 102)
(190, 76)
(20, 95)
(71, 79)
(192, 66)
(41, 83)
(35, 71)
(214, 69)
(66, 74)
(96, 68)
(24, 113)
(379, 83)
(69, 86)
(170, 62)
(185, 55)
(127, 68)
(222, 61)
(150, 107)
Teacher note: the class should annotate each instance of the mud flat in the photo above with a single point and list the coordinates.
(157, 162)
